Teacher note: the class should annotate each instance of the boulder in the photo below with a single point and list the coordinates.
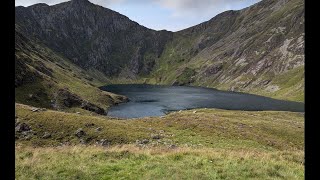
(104, 142)
(35, 109)
(46, 135)
(172, 146)
(80, 133)
(161, 131)
(28, 137)
(85, 141)
(145, 141)
(142, 142)
(155, 136)
(89, 124)
(22, 127)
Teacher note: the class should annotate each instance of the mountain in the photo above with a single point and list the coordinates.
(92, 36)
(43, 78)
(259, 49)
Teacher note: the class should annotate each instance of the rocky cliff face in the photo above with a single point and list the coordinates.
(259, 49)
(92, 36)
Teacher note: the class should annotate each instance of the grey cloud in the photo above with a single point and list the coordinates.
(51, 2)
(99, 2)
(188, 11)
(31, 2)
(181, 5)
(203, 7)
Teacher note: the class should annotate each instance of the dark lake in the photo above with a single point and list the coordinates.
(154, 100)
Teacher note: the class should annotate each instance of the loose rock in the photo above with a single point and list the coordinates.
(104, 142)
(83, 141)
(25, 133)
(89, 124)
(27, 137)
(142, 143)
(35, 109)
(172, 146)
(46, 135)
(155, 136)
(145, 141)
(79, 133)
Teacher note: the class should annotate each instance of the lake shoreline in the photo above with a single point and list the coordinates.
(157, 100)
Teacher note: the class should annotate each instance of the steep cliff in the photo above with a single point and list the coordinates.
(93, 37)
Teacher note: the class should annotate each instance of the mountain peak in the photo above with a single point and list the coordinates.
(80, 1)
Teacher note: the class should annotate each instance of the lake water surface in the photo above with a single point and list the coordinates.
(154, 100)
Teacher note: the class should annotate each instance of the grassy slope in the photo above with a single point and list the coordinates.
(291, 86)
(64, 75)
(216, 144)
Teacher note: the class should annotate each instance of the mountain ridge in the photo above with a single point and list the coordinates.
(258, 50)
(97, 41)
(250, 44)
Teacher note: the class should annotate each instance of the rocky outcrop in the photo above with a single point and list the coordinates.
(91, 107)
(65, 99)
(22, 127)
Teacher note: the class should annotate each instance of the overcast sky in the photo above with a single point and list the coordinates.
(172, 15)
